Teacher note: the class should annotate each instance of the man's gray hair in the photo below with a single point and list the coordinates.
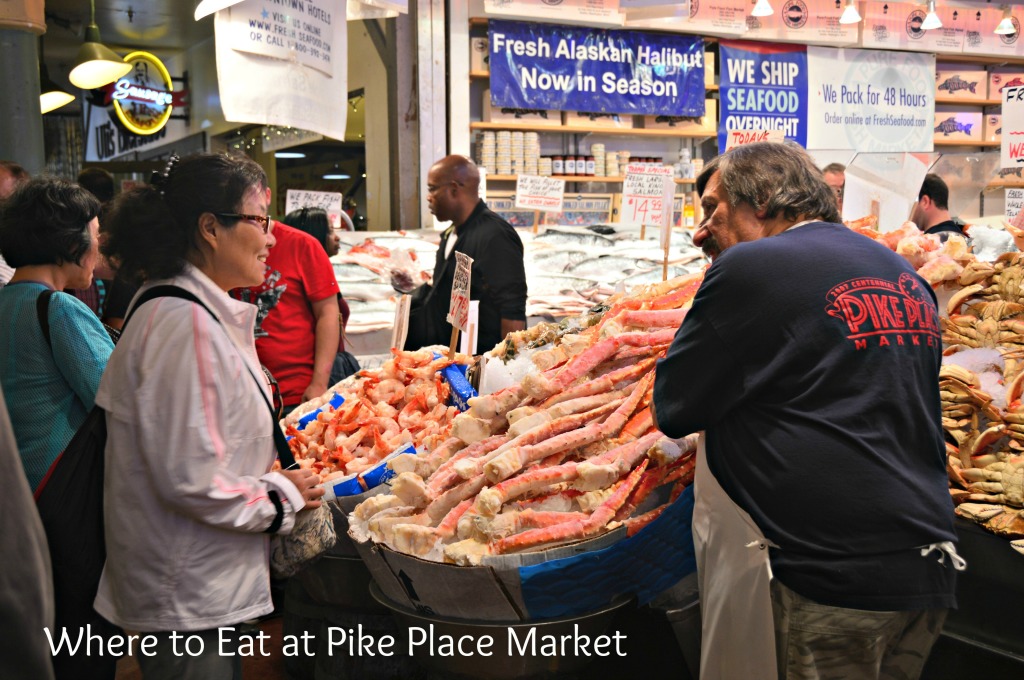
(776, 178)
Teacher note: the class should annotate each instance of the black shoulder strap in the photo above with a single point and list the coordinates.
(284, 454)
(43, 313)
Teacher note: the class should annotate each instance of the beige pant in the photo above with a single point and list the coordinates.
(815, 641)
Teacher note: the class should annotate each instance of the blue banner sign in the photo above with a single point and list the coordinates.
(763, 87)
(575, 68)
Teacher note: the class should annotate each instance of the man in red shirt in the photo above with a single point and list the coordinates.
(297, 329)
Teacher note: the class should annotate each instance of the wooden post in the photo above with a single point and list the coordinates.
(643, 231)
(664, 267)
(452, 344)
(536, 221)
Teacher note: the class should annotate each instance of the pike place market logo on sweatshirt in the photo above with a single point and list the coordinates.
(882, 313)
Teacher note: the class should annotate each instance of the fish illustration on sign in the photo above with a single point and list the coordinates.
(950, 125)
(1016, 82)
(956, 83)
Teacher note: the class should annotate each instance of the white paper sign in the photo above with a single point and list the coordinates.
(870, 100)
(736, 138)
(270, 89)
(647, 194)
(296, 199)
(534, 192)
(980, 36)
(458, 308)
(107, 139)
(291, 29)
(1013, 127)
(1014, 202)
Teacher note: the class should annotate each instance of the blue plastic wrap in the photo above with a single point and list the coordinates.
(644, 565)
(461, 391)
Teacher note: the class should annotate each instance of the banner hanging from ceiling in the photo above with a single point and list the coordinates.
(762, 87)
(870, 100)
(575, 68)
(284, 63)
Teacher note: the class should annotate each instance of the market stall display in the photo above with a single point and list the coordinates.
(569, 453)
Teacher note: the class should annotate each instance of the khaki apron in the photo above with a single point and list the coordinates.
(737, 629)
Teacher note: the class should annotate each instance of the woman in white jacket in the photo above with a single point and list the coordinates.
(190, 499)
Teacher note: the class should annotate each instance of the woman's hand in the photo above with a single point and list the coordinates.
(306, 482)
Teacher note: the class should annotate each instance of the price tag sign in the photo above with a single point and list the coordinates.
(736, 138)
(458, 308)
(400, 330)
(1015, 206)
(647, 194)
(539, 193)
(1013, 127)
(330, 201)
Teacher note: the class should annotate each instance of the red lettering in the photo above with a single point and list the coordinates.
(915, 340)
(899, 340)
(883, 341)
(860, 344)
(854, 311)
(888, 315)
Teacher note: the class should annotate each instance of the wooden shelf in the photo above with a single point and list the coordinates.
(1002, 184)
(969, 102)
(979, 59)
(967, 142)
(479, 74)
(591, 129)
(576, 178)
(711, 88)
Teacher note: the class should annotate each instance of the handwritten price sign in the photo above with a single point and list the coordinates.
(647, 194)
(1013, 127)
(458, 308)
(736, 138)
(539, 193)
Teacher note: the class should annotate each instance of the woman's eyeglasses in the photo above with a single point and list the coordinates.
(263, 221)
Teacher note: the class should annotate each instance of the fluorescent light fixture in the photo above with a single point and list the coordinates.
(931, 21)
(762, 8)
(208, 7)
(289, 154)
(1005, 26)
(96, 64)
(850, 14)
(337, 176)
(51, 97)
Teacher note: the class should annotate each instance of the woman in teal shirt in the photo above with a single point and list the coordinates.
(48, 233)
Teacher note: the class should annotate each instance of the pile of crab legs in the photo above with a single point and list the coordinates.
(986, 463)
(569, 453)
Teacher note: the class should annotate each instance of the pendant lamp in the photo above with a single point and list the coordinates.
(762, 8)
(51, 95)
(1006, 26)
(96, 65)
(931, 20)
(850, 14)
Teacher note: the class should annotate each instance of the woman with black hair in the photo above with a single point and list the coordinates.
(49, 234)
(190, 496)
(314, 221)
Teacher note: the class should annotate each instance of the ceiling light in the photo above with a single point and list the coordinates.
(51, 95)
(208, 7)
(762, 8)
(289, 154)
(1006, 26)
(96, 64)
(850, 14)
(337, 176)
(931, 21)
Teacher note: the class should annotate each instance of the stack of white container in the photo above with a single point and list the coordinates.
(486, 152)
(531, 153)
(597, 151)
(504, 154)
(544, 166)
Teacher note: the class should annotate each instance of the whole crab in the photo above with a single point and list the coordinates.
(985, 324)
